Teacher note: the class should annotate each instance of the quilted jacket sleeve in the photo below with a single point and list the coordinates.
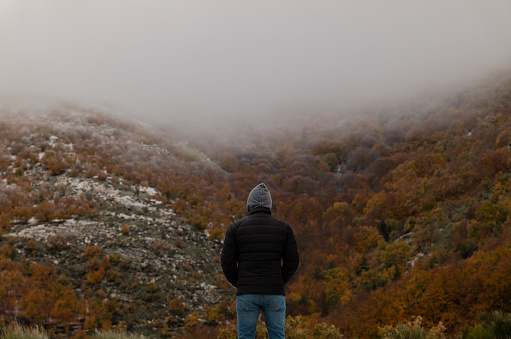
(229, 257)
(290, 258)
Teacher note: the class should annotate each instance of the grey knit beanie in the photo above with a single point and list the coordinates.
(259, 197)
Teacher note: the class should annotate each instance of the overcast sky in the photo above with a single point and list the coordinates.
(190, 58)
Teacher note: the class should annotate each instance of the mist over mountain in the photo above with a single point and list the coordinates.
(198, 61)
(132, 132)
(108, 222)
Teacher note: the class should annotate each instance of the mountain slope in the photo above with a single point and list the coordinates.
(109, 235)
(397, 213)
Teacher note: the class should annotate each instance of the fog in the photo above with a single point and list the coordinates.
(168, 60)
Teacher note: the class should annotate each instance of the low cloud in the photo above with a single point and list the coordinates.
(167, 60)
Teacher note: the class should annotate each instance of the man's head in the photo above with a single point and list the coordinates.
(259, 197)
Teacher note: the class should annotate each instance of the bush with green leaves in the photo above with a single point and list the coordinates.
(491, 325)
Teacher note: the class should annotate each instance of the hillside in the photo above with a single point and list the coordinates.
(75, 211)
(398, 213)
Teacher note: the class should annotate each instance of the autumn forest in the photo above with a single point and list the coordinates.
(400, 214)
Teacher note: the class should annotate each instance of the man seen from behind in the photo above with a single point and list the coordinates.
(259, 256)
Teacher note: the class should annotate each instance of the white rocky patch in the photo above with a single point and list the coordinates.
(148, 190)
(107, 192)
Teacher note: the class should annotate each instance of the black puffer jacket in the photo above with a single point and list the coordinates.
(253, 249)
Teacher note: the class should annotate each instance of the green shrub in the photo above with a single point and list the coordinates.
(478, 332)
(491, 325)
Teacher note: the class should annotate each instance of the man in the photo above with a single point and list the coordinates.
(259, 257)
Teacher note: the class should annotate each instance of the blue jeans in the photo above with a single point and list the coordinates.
(248, 307)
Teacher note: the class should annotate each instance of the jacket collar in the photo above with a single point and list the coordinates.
(264, 210)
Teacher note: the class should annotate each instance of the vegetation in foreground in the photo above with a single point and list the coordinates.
(16, 331)
(495, 325)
